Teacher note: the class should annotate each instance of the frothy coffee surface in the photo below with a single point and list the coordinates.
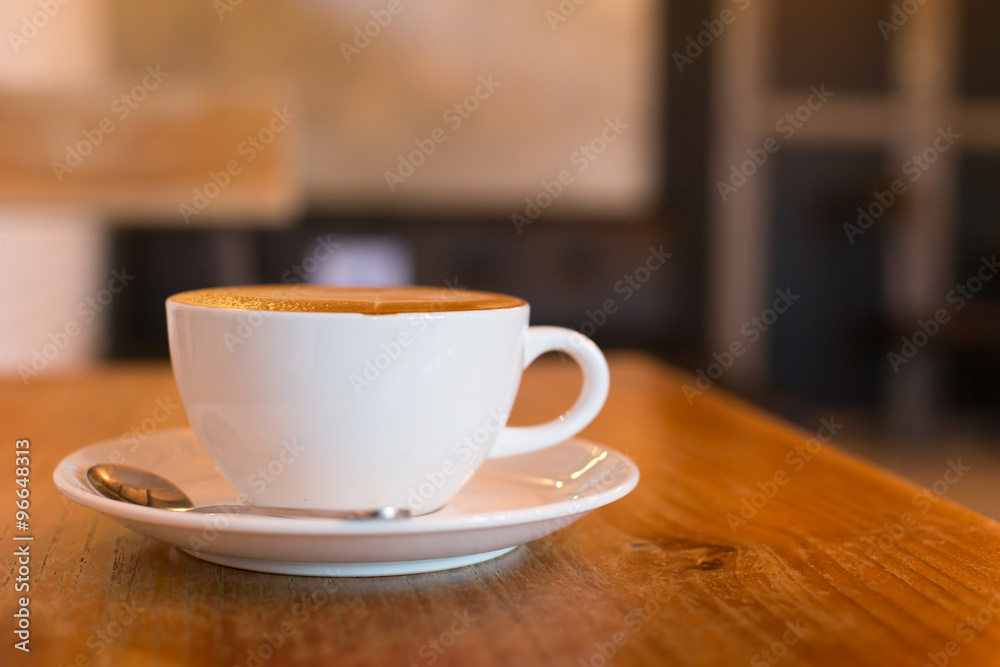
(365, 300)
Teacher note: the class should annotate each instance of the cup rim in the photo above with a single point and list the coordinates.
(172, 302)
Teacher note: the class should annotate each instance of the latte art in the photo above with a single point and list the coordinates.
(364, 300)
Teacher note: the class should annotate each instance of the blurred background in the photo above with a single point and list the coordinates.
(822, 175)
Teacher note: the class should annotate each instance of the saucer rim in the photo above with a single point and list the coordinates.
(358, 569)
(64, 476)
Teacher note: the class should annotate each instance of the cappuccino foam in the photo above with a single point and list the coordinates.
(330, 299)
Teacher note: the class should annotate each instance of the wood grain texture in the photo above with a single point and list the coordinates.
(820, 574)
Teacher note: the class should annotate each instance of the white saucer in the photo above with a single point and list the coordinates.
(509, 502)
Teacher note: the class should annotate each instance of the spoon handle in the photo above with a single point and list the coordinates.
(294, 512)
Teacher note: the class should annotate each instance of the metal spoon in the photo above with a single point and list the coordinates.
(141, 487)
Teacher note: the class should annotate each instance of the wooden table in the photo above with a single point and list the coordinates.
(832, 562)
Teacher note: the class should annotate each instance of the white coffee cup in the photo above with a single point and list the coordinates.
(354, 411)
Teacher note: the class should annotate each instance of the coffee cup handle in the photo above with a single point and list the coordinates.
(513, 440)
